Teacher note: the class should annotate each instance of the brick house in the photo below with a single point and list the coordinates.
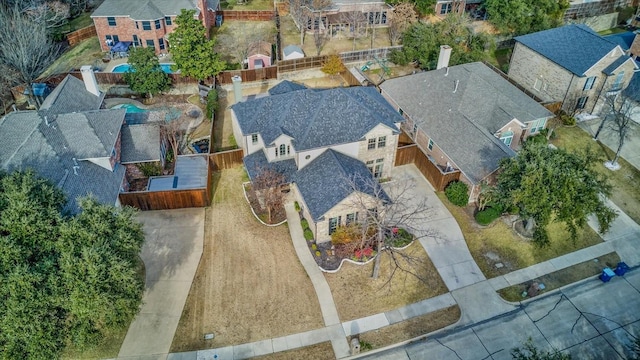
(146, 23)
(465, 117)
(444, 7)
(571, 64)
(321, 141)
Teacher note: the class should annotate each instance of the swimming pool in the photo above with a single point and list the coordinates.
(131, 109)
(122, 68)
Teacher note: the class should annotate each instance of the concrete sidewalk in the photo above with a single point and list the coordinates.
(171, 254)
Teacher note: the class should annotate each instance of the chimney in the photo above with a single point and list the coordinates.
(89, 78)
(443, 58)
(237, 88)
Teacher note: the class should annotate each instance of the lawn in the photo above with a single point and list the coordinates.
(357, 295)
(87, 52)
(337, 44)
(625, 181)
(234, 35)
(248, 5)
(81, 21)
(498, 243)
(500, 58)
(249, 285)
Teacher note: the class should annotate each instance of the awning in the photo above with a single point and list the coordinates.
(121, 46)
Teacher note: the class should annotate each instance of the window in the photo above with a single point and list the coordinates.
(112, 39)
(430, 146)
(283, 150)
(382, 141)
(146, 25)
(538, 125)
(401, 111)
(507, 137)
(372, 144)
(254, 139)
(415, 128)
(445, 8)
(377, 170)
(536, 85)
(161, 43)
(334, 223)
(167, 20)
(370, 165)
(384, 17)
(136, 41)
(582, 102)
(111, 20)
(151, 44)
(618, 83)
(137, 26)
(588, 85)
(288, 149)
(351, 218)
(158, 25)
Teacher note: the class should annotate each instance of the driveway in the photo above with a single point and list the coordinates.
(439, 232)
(630, 150)
(589, 320)
(171, 253)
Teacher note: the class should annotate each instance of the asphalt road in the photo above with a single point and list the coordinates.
(589, 320)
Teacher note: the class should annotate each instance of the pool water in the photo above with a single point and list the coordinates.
(131, 109)
(122, 68)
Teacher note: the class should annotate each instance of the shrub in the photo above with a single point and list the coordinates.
(537, 139)
(318, 253)
(345, 234)
(212, 103)
(314, 247)
(458, 193)
(401, 238)
(398, 57)
(308, 234)
(297, 207)
(150, 168)
(488, 215)
(304, 223)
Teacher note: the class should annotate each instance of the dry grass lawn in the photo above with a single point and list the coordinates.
(513, 251)
(357, 295)
(624, 181)
(249, 285)
(87, 52)
(411, 328)
(322, 351)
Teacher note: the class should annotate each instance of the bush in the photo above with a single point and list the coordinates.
(566, 119)
(150, 168)
(398, 57)
(401, 238)
(308, 234)
(314, 247)
(458, 193)
(304, 223)
(488, 215)
(318, 253)
(537, 139)
(345, 235)
(212, 103)
(297, 207)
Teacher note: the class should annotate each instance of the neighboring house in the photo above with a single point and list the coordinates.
(587, 8)
(146, 23)
(292, 52)
(74, 142)
(259, 55)
(465, 117)
(334, 19)
(444, 7)
(571, 64)
(320, 140)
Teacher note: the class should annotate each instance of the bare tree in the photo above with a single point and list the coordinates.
(267, 185)
(617, 117)
(402, 16)
(26, 47)
(175, 133)
(300, 16)
(52, 13)
(239, 39)
(387, 210)
(357, 22)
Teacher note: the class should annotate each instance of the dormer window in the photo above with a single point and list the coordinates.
(254, 139)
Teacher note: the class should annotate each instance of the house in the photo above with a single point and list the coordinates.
(292, 52)
(339, 18)
(259, 55)
(331, 145)
(465, 117)
(444, 7)
(146, 23)
(587, 8)
(571, 64)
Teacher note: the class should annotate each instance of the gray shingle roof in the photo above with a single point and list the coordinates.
(256, 162)
(136, 8)
(140, 143)
(463, 123)
(624, 39)
(573, 47)
(290, 49)
(285, 87)
(316, 119)
(326, 181)
(190, 173)
(70, 96)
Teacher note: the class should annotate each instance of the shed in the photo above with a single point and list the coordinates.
(292, 52)
(259, 55)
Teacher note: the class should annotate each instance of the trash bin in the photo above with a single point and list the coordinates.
(607, 274)
(621, 269)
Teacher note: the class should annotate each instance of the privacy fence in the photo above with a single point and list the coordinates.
(411, 154)
(82, 34)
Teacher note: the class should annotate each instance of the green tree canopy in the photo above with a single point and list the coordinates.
(545, 184)
(191, 50)
(422, 43)
(518, 17)
(62, 280)
(146, 75)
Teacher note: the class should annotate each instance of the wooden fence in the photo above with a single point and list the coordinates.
(112, 78)
(301, 64)
(506, 77)
(225, 159)
(411, 154)
(266, 73)
(77, 36)
(248, 15)
(164, 200)
(367, 55)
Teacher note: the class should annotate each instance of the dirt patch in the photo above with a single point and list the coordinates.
(249, 285)
(322, 351)
(411, 328)
(357, 295)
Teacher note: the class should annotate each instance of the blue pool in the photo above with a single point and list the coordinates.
(122, 68)
(131, 109)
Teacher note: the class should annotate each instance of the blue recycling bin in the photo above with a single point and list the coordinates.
(621, 269)
(607, 274)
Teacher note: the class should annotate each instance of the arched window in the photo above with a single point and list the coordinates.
(283, 150)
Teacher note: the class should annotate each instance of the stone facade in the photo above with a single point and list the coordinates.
(355, 203)
(386, 152)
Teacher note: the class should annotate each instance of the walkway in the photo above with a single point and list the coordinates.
(171, 253)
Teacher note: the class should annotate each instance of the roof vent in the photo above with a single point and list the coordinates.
(456, 87)
(75, 162)
(46, 121)
(75, 170)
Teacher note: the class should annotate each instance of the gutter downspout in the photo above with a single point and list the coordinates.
(567, 92)
(606, 78)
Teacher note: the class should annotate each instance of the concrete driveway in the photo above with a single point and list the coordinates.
(171, 253)
(439, 232)
(589, 320)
